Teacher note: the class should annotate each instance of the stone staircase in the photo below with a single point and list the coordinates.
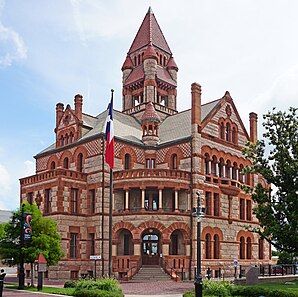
(150, 273)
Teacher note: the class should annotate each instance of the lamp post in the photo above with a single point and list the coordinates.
(198, 213)
(21, 270)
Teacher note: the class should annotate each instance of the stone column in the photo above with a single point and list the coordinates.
(143, 199)
(223, 170)
(237, 174)
(209, 167)
(126, 199)
(176, 200)
(189, 207)
(231, 172)
(216, 169)
(160, 198)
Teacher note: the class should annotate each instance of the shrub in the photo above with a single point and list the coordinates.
(256, 292)
(217, 288)
(106, 284)
(97, 293)
(70, 284)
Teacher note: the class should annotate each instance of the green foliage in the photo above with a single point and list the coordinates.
(284, 257)
(217, 288)
(70, 284)
(2, 233)
(106, 284)
(277, 206)
(45, 238)
(255, 291)
(97, 293)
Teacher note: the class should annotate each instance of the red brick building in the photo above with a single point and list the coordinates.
(162, 158)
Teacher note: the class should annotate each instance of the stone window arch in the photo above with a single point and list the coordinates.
(228, 166)
(127, 161)
(261, 249)
(228, 132)
(125, 244)
(80, 163)
(234, 171)
(177, 246)
(174, 161)
(213, 165)
(66, 163)
(216, 248)
(222, 130)
(248, 248)
(208, 246)
(206, 163)
(53, 165)
(221, 167)
(234, 135)
(242, 248)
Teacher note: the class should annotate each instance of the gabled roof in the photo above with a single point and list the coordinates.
(149, 32)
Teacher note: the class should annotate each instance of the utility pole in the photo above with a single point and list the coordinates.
(22, 270)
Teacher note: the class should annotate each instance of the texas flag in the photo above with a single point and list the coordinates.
(109, 136)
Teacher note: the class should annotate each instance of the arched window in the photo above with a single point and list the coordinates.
(222, 131)
(261, 249)
(139, 59)
(164, 61)
(208, 246)
(53, 165)
(228, 132)
(248, 248)
(71, 137)
(242, 247)
(65, 163)
(206, 161)
(234, 135)
(177, 246)
(127, 162)
(80, 162)
(174, 163)
(216, 246)
(62, 140)
(240, 173)
(160, 59)
(66, 139)
(234, 171)
(213, 166)
(221, 167)
(228, 171)
(142, 57)
(135, 60)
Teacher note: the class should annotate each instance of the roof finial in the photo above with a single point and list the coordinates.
(150, 10)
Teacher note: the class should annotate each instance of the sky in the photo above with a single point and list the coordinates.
(52, 50)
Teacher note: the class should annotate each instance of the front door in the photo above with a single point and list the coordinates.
(151, 249)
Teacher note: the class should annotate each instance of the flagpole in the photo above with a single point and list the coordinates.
(111, 201)
(102, 209)
(110, 222)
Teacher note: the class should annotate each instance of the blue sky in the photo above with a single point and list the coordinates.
(52, 50)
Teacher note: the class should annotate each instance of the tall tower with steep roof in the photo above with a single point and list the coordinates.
(149, 72)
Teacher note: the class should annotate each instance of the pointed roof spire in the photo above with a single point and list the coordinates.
(150, 114)
(172, 64)
(149, 31)
(150, 52)
(127, 63)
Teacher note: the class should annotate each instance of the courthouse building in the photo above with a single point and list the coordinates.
(162, 158)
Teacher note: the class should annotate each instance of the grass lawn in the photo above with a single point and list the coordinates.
(52, 290)
(280, 286)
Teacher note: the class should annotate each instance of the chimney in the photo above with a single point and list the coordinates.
(78, 101)
(196, 104)
(59, 113)
(253, 125)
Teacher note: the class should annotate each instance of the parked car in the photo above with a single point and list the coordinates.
(278, 269)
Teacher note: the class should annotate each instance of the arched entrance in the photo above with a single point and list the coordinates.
(151, 248)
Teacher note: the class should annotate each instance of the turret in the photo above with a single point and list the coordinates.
(150, 124)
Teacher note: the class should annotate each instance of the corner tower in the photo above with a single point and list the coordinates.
(149, 72)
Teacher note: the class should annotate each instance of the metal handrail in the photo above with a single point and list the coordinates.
(129, 273)
(166, 267)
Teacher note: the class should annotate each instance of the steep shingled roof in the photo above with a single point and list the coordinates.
(149, 32)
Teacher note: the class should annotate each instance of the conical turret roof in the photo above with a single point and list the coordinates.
(127, 63)
(172, 64)
(150, 114)
(149, 32)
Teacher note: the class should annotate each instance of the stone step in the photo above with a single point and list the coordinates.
(150, 273)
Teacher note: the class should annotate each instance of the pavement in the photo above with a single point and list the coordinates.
(165, 288)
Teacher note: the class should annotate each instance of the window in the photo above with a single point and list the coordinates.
(73, 245)
(126, 238)
(62, 140)
(160, 59)
(228, 171)
(74, 274)
(216, 204)
(242, 208)
(127, 161)
(74, 201)
(228, 132)
(242, 247)
(261, 249)
(30, 197)
(248, 210)
(222, 131)
(208, 203)
(248, 248)
(135, 60)
(216, 247)
(53, 165)
(47, 202)
(80, 162)
(234, 135)
(92, 243)
(208, 246)
(150, 163)
(221, 167)
(139, 59)
(66, 163)
(174, 164)
(213, 166)
(92, 201)
(206, 163)
(234, 171)
(66, 139)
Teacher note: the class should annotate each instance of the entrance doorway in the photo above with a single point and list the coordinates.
(150, 247)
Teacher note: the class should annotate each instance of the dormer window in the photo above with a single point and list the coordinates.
(66, 163)
(228, 131)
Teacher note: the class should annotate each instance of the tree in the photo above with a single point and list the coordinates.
(277, 164)
(45, 238)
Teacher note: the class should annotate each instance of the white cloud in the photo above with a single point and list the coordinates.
(12, 47)
(5, 187)
(29, 168)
